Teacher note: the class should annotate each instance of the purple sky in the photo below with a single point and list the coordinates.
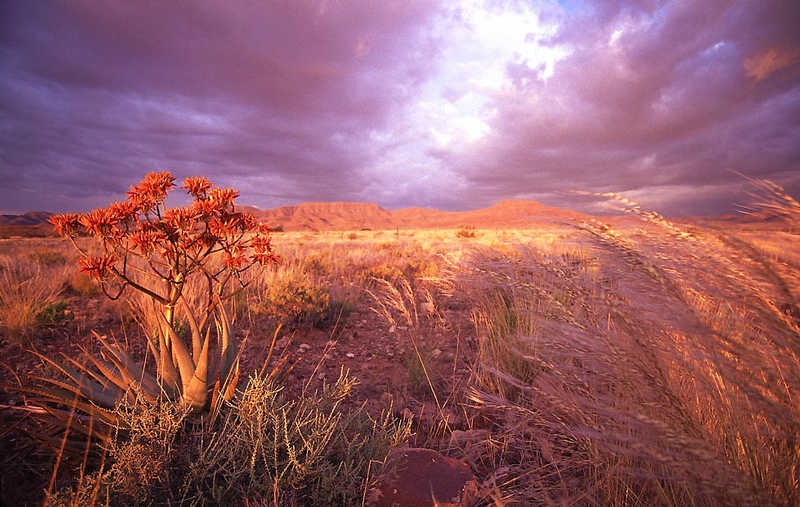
(453, 105)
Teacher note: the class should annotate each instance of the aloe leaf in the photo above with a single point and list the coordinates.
(100, 397)
(65, 370)
(100, 378)
(181, 356)
(166, 369)
(130, 370)
(227, 354)
(83, 423)
(196, 393)
(196, 335)
(67, 398)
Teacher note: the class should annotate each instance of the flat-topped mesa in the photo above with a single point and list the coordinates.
(327, 216)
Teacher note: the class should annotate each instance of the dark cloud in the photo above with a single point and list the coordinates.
(276, 97)
(326, 100)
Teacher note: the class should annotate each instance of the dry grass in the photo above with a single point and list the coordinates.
(27, 291)
(667, 376)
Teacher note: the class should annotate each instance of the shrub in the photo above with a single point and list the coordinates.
(466, 231)
(158, 252)
(263, 448)
(81, 284)
(296, 300)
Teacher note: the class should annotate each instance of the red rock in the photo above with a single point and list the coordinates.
(424, 477)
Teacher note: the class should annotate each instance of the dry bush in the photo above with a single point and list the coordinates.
(293, 297)
(81, 284)
(263, 448)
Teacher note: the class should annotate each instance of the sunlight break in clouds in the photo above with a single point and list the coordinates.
(479, 44)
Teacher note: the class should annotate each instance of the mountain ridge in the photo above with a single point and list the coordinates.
(343, 215)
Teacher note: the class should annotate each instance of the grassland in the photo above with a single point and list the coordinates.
(648, 363)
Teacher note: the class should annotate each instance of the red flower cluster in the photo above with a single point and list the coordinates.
(175, 241)
(151, 191)
(98, 267)
(198, 186)
(66, 224)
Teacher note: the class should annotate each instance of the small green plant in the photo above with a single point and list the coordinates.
(418, 374)
(55, 314)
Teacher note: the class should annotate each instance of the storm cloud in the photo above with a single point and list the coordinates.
(412, 103)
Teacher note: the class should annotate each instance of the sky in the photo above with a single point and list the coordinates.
(452, 105)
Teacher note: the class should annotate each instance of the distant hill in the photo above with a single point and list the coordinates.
(320, 216)
(323, 216)
(328, 216)
(33, 224)
(29, 218)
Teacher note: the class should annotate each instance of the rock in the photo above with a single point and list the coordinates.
(304, 347)
(424, 477)
(436, 353)
(392, 329)
(350, 355)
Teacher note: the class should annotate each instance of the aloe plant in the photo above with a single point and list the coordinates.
(161, 253)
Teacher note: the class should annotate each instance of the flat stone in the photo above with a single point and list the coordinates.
(424, 477)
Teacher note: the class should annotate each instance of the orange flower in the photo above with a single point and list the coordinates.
(151, 191)
(65, 224)
(218, 227)
(261, 244)
(145, 240)
(97, 222)
(225, 196)
(183, 219)
(264, 258)
(197, 186)
(207, 208)
(122, 211)
(98, 267)
(234, 261)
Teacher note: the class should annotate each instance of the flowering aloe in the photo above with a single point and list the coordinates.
(158, 251)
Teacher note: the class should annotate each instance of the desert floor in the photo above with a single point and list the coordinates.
(641, 363)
